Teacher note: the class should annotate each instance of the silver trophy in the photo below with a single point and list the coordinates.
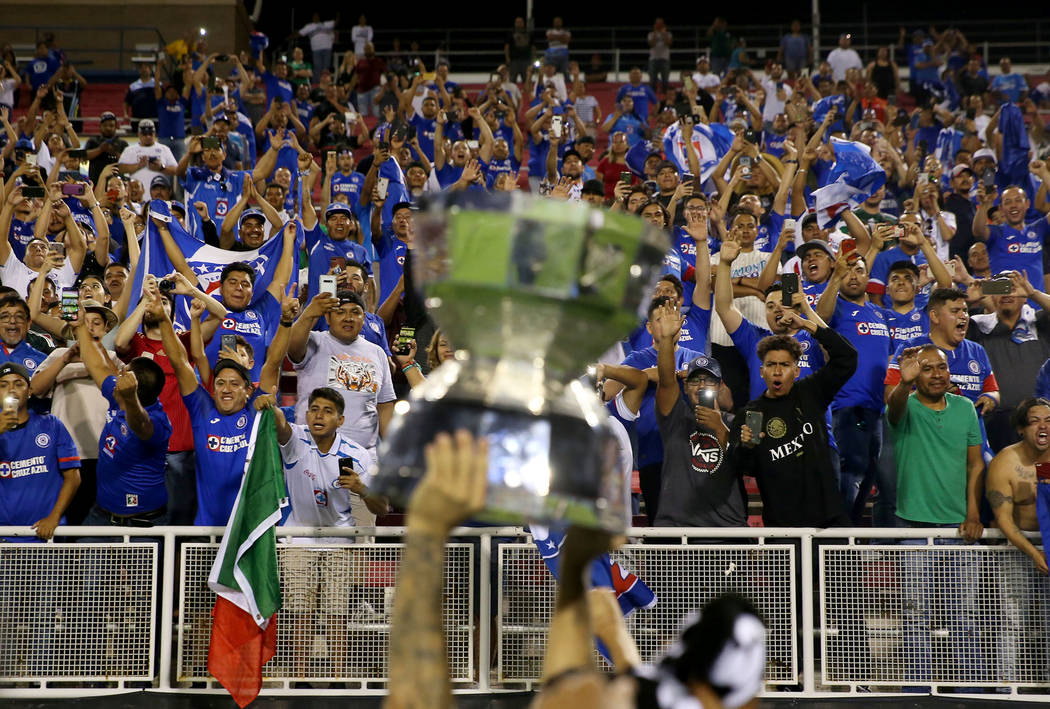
(533, 290)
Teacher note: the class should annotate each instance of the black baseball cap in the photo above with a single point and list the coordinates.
(593, 187)
(227, 363)
(705, 364)
(14, 368)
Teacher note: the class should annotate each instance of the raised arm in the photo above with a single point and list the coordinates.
(176, 353)
(727, 312)
(95, 361)
(283, 274)
(173, 252)
(1000, 493)
(665, 323)
(270, 375)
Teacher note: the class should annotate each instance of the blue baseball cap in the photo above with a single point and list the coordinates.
(24, 144)
(705, 364)
(251, 213)
(338, 208)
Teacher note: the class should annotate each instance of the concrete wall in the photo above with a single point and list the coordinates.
(93, 48)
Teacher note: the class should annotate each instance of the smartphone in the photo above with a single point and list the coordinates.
(494, 78)
(683, 109)
(472, 144)
(383, 145)
(10, 404)
(72, 189)
(849, 248)
(211, 143)
(745, 167)
(1042, 471)
(625, 177)
(57, 247)
(69, 304)
(113, 195)
(789, 225)
(382, 184)
(346, 466)
(707, 396)
(30, 159)
(327, 284)
(229, 342)
(987, 178)
(350, 117)
(33, 192)
(404, 340)
(78, 154)
(331, 155)
(751, 136)
(997, 286)
(556, 126)
(223, 58)
(753, 420)
(788, 288)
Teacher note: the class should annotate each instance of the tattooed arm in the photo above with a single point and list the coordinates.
(1003, 468)
(452, 490)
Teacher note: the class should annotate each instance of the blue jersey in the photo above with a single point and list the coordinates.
(277, 88)
(221, 445)
(906, 326)
(769, 231)
(425, 128)
(257, 324)
(130, 470)
(245, 130)
(1011, 249)
(650, 447)
(391, 251)
(304, 112)
(197, 109)
(41, 70)
(23, 354)
(325, 249)
(495, 168)
(693, 334)
(32, 458)
(448, 175)
(171, 118)
(642, 94)
(219, 190)
(287, 157)
(813, 291)
(774, 143)
(350, 185)
(20, 235)
(864, 326)
(880, 267)
(746, 338)
(968, 365)
(631, 125)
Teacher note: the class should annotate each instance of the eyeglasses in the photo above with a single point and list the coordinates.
(16, 317)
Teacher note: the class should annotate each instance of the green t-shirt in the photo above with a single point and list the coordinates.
(931, 448)
(299, 66)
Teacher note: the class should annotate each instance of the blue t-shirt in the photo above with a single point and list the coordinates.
(245, 130)
(1011, 249)
(748, 335)
(813, 291)
(219, 190)
(197, 108)
(425, 129)
(130, 470)
(324, 249)
(864, 326)
(631, 125)
(642, 94)
(495, 168)
(693, 335)
(40, 72)
(32, 458)
(1010, 85)
(909, 325)
(221, 445)
(23, 354)
(650, 447)
(773, 142)
(257, 324)
(171, 118)
(20, 235)
(769, 231)
(880, 267)
(276, 87)
(448, 174)
(391, 251)
(968, 366)
(350, 185)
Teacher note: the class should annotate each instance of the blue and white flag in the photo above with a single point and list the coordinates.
(711, 142)
(206, 261)
(631, 592)
(821, 108)
(395, 189)
(853, 178)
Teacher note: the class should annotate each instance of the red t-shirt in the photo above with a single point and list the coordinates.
(170, 397)
(610, 172)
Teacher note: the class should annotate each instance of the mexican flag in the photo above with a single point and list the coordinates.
(245, 574)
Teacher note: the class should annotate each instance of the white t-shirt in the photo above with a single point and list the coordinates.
(79, 403)
(312, 478)
(708, 82)
(842, 59)
(360, 36)
(931, 227)
(359, 371)
(133, 153)
(15, 274)
(587, 109)
(7, 91)
(773, 105)
(753, 308)
(321, 34)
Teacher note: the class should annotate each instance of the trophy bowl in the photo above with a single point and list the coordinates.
(531, 291)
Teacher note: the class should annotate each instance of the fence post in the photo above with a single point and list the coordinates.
(809, 682)
(169, 582)
(616, 64)
(484, 613)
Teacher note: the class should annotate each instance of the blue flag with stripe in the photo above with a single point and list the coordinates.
(853, 178)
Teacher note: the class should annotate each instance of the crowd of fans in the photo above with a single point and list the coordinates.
(894, 350)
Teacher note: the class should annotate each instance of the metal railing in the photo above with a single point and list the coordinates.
(874, 610)
(95, 45)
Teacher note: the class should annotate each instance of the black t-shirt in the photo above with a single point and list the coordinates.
(964, 211)
(698, 485)
(106, 157)
(519, 45)
(792, 461)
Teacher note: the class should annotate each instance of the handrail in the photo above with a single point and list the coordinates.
(120, 50)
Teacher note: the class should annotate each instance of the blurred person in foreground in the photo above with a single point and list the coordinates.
(718, 661)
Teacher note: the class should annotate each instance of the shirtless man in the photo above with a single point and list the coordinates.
(1011, 491)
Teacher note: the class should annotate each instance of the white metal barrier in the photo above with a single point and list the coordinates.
(848, 610)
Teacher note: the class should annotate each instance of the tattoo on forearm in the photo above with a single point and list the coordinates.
(418, 666)
(996, 499)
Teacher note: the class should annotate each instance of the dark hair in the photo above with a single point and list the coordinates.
(740, 211)
(571, 152)
(241, 342)
(656, 302)
(664, 165)
(1019, 417)
(663, 210)
(13, 300)
(940, 296)
(348, 297)
(784, 343)
(351, 263)
(414, 163)
(150, 377)
(237, 267)
(278, 185)
(905, 265)
(328, 394)
(673, 280)
(585, 139)
(704, 640)
(773, 288)
(399, 206)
